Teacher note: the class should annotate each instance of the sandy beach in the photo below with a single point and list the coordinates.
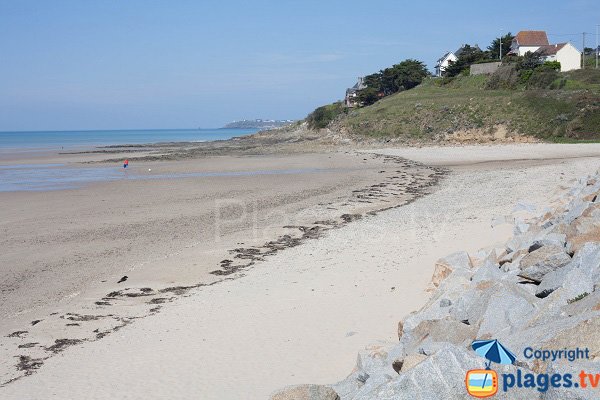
(292, 311)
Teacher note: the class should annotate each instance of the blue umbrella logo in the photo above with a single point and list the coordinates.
(493, 351)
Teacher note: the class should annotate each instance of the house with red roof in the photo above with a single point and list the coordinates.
(537, 42)
(528, 41)
(565, 53)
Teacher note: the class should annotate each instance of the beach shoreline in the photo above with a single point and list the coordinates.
(169, 235)
(389, 265)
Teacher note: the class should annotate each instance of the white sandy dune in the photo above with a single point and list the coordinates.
(302, 315)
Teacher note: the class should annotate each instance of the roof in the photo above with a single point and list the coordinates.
(532, 38)
(441, 60)
(550, 49)
(360, 84)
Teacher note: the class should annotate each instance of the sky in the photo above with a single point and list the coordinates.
(141, 64)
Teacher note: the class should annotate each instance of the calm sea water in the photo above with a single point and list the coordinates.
(45, 177)
(66, 139)
(36, 177)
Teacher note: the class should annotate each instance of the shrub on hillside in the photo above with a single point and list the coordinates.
(542, 77)
(323, 115)
(505, 77)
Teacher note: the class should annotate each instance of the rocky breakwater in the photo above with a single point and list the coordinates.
(538, 294)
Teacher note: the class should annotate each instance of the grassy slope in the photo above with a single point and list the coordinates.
(571, 113)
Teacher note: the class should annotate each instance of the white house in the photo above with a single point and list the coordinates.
(565, 53)
(443, 63)
(528, 41)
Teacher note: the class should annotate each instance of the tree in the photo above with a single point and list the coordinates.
(402, 76)
(367, 96)
(494, 47)
(410, 73)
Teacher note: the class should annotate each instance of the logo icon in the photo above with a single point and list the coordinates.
(481, 382)
(484, 382)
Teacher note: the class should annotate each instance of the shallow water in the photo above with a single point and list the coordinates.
(43, 177)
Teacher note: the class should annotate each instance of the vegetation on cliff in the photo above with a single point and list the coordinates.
(563, 108)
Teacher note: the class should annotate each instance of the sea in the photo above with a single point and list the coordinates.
(53, 140)
(40, 176)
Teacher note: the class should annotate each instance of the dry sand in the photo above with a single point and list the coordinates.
(301, 314)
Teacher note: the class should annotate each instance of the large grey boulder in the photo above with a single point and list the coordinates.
(507, 308)
(306, 392)
(490, 271)
(551, 238)
(357, 386)
(571, 278)
(586, 229)
(374, 359)
(576, 208)
(458, 263)
(538, 263)
(440, 376)
(588, 260)
(451, 289)
(446, 330)
(578, 277)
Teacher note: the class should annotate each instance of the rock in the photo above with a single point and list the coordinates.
(351, 387)
(451, 289)
(306, 392)
(571, 278)
(578, 277)
(445, 303)
(584, 335)
(520, 228)
(521, 242)
(576, 208)
(585, 230)
(445, 330)
(551, 239)
(489, 272)
(588, 260)
(459, 261)
(538, 263)
(535, 335)
(514, 265)
(373, 359)
(440, 376)
(412, 360)
(507, 308)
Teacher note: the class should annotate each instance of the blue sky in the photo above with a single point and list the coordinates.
(185, 64)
